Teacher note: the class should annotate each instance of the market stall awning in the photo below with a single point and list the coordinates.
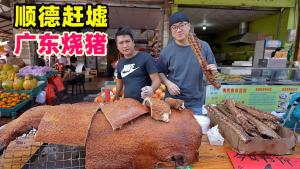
(6, 28)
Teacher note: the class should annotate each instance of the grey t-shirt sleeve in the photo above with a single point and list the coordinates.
(210, 58)
(149, 65)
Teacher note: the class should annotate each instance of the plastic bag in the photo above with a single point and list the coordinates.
(214, 136)
(58, 82)
(50, 93)
(41, 97)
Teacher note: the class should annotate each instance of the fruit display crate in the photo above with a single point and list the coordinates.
(34, 92)
(12, 112)
(41, 86)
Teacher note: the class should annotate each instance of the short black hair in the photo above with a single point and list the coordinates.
(124, 30)
(73, 59)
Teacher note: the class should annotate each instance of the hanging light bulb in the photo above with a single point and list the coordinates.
(204, 27)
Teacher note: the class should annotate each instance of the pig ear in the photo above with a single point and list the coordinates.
(182, 105)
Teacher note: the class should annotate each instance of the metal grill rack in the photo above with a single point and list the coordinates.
(26, 154)
(57, 157)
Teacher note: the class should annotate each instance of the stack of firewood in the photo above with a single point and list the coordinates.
(247, 122)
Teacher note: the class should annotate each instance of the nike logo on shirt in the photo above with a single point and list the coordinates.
(128, 69)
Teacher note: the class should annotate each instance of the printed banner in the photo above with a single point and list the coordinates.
(264, 97)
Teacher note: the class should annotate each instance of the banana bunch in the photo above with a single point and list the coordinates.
(8, 76)
(12, 76)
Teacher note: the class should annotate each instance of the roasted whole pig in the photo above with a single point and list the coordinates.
(142, 143)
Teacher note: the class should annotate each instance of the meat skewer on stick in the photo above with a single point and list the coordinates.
(196, 47)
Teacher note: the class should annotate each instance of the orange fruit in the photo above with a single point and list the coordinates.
(98, 99)
(158, 91)
(155, 95)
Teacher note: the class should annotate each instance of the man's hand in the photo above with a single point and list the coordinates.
(117, 97)
(172, 88)
(147, 91)
(212, 68)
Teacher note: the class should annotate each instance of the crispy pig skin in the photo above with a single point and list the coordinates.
(257, 113)
(67, 124)
(123, 111)
(144, 142)
(23, 124)
(231, 124)
(240, 117)
(262, 128)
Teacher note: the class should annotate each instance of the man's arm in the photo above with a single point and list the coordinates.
(172, 87)
(119, 88)
(155, 81)
(148, 91)
(120, 83)
(67, 74)
(162, 69)
(163, 78)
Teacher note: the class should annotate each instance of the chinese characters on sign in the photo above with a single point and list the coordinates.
(263, 161)
(90, 43)
(54, 16)
(267, 98)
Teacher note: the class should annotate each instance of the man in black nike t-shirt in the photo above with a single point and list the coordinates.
(136, 71)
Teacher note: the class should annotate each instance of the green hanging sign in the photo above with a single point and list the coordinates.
(264, 97)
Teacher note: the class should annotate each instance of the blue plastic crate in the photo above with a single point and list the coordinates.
(34, 92)
(12, 112)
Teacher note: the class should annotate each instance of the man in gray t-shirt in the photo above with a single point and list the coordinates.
(178, 67)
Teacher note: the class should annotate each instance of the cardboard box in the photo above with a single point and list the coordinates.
(282, 146)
